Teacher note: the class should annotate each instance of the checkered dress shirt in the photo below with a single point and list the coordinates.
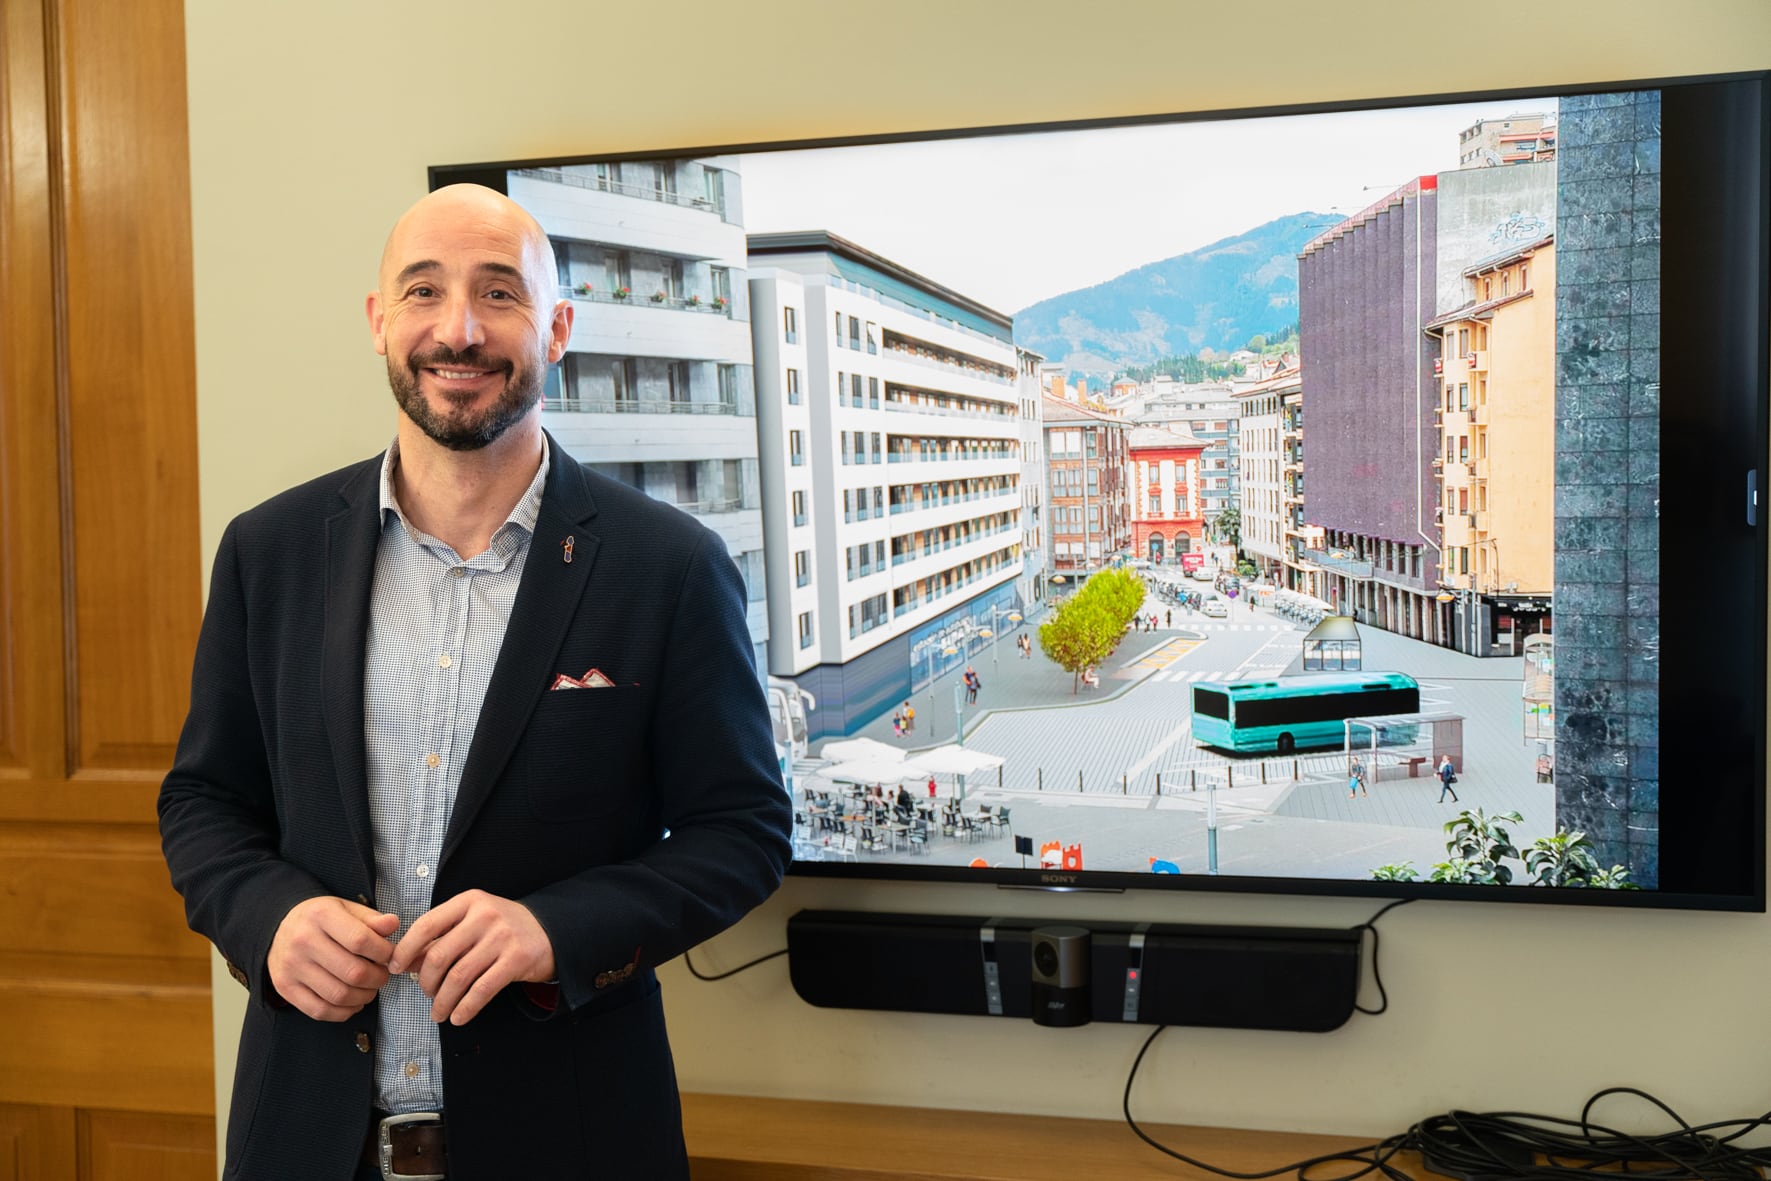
(436, 624)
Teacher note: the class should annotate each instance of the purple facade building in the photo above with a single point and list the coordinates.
(1365, 290)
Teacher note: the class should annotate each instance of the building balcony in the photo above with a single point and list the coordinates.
(1339, 561)
(1479, 470)
(1481, 415)
(570, 405)
(1479, 521)
(672, 329)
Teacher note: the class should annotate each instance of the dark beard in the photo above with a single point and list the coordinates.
(523, 385)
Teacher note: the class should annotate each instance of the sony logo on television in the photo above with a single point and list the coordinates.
(1058, 879)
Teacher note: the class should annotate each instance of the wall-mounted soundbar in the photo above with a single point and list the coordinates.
(1289, 978)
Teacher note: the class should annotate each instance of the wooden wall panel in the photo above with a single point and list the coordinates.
(109, 1032)
(123, 1146)
(31, 684)
(131, 395)
(106, 1058)
(37, 1143)
(84, 889)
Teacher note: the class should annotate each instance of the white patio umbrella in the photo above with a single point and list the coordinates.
(844, 749)
(874, 771)
(957, 761)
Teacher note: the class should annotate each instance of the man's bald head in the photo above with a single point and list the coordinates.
(466, 207)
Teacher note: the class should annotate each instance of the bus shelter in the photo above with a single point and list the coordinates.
(1333, 646)
(1403, 746)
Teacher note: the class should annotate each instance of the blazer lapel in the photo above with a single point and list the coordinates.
(351, 539)
(546, 604)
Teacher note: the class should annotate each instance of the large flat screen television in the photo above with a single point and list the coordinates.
(1357, 499)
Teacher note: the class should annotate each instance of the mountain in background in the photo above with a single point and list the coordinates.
(1215, 297)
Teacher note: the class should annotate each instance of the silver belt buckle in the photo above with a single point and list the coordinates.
(384, 1143)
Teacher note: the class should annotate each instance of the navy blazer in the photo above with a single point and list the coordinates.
(634, 821)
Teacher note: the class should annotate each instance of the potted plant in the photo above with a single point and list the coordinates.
(658, 297)
(693, 301)
(623, 292)
(582, 289)
(719, 303)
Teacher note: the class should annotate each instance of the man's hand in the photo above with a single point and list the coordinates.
(329, 956)
(469, 948)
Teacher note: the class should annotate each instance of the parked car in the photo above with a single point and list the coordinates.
(1215, 609)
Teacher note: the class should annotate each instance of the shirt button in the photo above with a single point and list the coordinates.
(432, 760)
(362, 1043)
(411, 1070)
(423, 870)
(445, 660)
(458, 572)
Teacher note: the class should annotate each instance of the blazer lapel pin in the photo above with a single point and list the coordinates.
(566, 546)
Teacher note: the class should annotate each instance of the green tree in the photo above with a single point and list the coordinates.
(1080, 633)
(1227, 526)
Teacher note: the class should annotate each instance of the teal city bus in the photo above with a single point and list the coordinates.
(1294, 713)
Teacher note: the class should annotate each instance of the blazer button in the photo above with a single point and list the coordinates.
(362, 1043)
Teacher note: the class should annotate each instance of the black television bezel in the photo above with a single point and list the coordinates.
(1715, 335)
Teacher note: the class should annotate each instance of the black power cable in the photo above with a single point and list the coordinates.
(761, 959)
(1516, 1146)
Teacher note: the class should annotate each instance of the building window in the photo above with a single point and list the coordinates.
(805, 629)
(802, 567)
(876, 455)
(793, 387)
(799, 508)
(790, 324)
(678, 374)
(872, 337)
(1463, 395)
(873, 393)
(854, 333)
(855, 390)
(624, 373)
(838, 316)
(796, 453)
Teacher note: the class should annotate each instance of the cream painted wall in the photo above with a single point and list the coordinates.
(311, 128)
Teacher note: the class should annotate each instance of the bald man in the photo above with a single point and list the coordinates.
(448, 705)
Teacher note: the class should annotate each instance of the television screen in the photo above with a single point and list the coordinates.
(1283, 501)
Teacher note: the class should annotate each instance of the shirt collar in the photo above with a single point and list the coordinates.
(523, 516)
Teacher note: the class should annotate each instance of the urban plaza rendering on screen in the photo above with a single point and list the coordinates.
(1233, 551)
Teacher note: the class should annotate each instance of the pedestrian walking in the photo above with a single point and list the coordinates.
(897, 725)
(1168, 617)
(972, 685)
(909, 718)
(1447, 777)
(1356, 781)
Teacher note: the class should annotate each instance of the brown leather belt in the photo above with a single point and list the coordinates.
(409, 1147)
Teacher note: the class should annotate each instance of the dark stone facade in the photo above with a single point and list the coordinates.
(1608, 476)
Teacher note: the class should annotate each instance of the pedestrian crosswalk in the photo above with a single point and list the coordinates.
(1169, 653)
(1211, 626)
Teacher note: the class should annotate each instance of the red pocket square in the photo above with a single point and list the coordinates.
(592, 679)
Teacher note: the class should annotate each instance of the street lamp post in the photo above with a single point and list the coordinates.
(958, 714)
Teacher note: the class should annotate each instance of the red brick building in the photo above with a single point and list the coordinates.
(1166, 515)
(1085, 455)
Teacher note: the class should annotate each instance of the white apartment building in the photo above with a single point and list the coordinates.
(1262, 463)
(1208, 411)
(655, 388)
(1033, 538)
(905, 440)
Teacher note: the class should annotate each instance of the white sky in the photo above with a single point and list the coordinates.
(1011, 220)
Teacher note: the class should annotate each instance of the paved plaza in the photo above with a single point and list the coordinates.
(1115, 769)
